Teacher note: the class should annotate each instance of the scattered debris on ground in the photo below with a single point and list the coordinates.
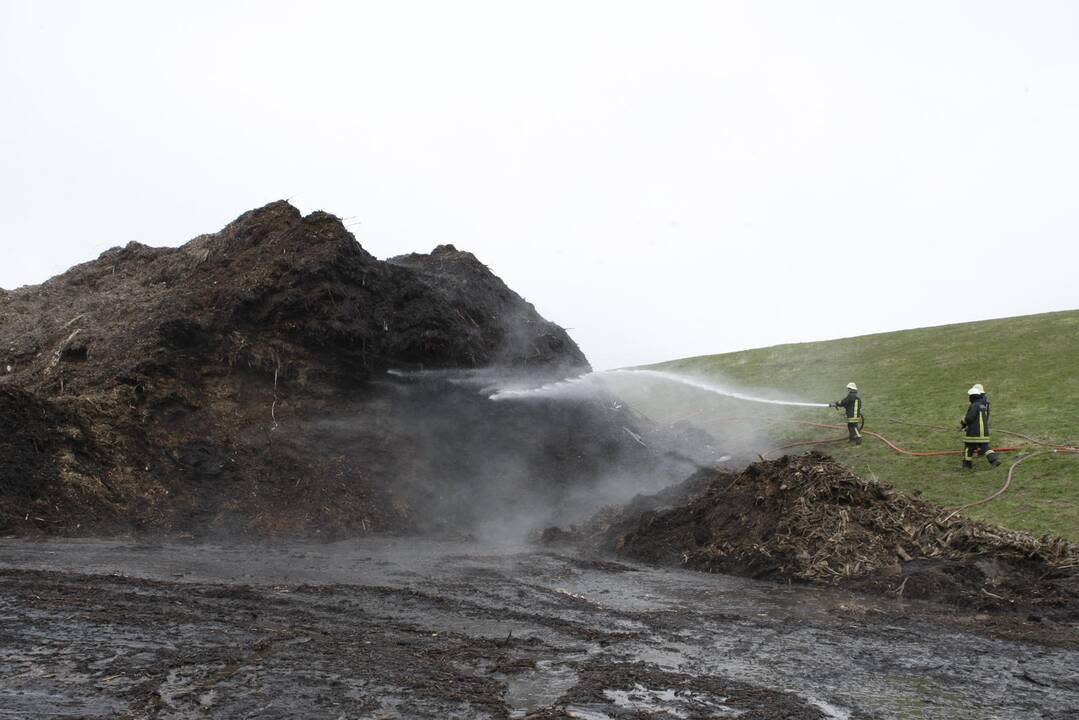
(807, 518)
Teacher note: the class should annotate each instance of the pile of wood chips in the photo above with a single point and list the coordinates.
(817, 520)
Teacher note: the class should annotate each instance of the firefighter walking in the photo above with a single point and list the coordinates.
(852, 404)
(976, 425)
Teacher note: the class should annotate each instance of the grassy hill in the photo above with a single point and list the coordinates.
(913, 384)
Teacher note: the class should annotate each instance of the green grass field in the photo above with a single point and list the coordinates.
(1028, 365)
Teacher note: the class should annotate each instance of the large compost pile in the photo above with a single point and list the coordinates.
(807, 518)
(241, 383)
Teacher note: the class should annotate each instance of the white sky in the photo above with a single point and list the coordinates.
(665, 179)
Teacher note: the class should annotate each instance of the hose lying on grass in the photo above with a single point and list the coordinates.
(1008, 480)
(1003, 488)
(939, 428)
(886, 441)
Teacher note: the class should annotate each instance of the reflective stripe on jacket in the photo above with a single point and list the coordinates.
(853, 405)
(976, 422)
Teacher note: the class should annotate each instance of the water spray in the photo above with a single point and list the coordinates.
(573, 386)
(717, 389)
(559, 388)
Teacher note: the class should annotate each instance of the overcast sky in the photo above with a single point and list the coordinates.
(666, 179)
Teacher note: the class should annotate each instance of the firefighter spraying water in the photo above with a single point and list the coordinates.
(852, 404)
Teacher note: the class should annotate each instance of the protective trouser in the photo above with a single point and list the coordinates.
(853, 405)
(971, 449)
(852, 431)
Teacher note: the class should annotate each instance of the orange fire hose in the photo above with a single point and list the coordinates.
(893, 446)
(886, 441)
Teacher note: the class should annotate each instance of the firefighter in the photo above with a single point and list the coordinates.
(853, 405)
(976, 425)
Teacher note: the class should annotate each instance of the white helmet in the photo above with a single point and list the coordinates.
(976, 390)
(852, 386)
(979, 388)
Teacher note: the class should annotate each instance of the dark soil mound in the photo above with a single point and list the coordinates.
(807, 518)
(275, 291)
(48, 460)
(240, 382)
(517, 334)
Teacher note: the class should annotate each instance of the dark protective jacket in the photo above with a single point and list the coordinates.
(976, 421)
(853, 405)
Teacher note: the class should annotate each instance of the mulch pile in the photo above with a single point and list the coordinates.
(807, 518)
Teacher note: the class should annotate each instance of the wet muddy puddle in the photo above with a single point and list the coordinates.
(432, 628)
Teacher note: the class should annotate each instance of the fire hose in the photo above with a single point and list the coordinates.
(886, 441)
(1007, 482)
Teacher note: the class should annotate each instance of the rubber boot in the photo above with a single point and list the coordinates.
(968, 465)
(858, 441)
(993, 459)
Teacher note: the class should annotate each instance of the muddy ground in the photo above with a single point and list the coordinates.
(409, 628)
